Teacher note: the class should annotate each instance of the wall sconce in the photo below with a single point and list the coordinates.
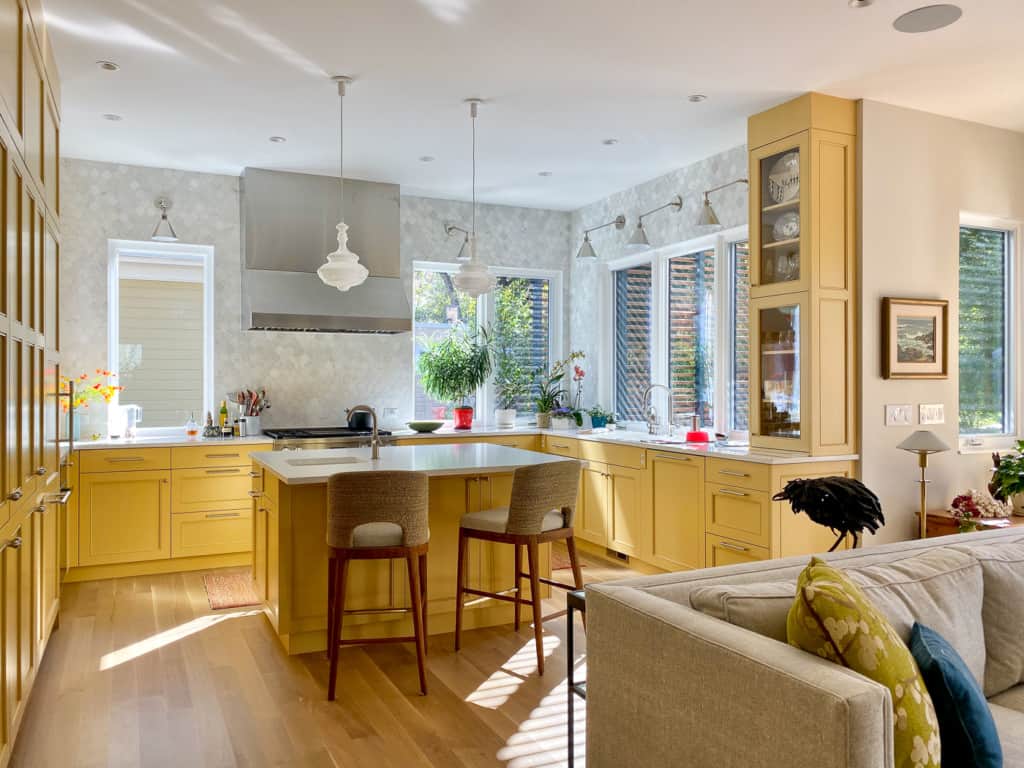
(639, 241)
(164, 232)
(586, 249)
(707, 216)
(451, 229)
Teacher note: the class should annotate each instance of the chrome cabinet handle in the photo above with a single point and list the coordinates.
(61, 497)
(223, 455)
(15, 495)
(255, 494)
(731, 473)
(14, 543)
(215, 515)
(733, 547)
(232, 471)
(40, 509)
(41, 470)
(123, 459)
(729, 492)
(255, 474)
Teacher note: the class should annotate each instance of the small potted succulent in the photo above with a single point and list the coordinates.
(453, 367)
(600, 418)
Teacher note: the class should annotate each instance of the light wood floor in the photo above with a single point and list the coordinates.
(143, 673)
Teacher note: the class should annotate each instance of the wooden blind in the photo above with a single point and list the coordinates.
(633, 327)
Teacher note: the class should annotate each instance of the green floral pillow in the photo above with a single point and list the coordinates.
(832, 618)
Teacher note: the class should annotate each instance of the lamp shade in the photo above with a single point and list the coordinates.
(474, 279)
(342, 269)
(639, 241)
(707, 216)
(923, 441)
(586, 250)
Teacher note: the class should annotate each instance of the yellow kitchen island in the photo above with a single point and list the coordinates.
(290, 545)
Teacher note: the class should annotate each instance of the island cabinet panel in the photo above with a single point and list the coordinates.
(592, 511)
(675, 538)
(124, 517)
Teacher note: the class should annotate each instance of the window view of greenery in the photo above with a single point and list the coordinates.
(739, 382)
(633, 327)
(437, 308)
(984, 313)
(691, 335)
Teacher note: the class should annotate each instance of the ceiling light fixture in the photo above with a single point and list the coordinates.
(109, 66)
(427, 159)
(696, 98)
(278, 139)
(860, 3)
(342, 269)
(707, 216)
(639, 241)
(610, 142)
(544, 173)
(586, 250)
(164, 232)
(112, 117)
(473, 277)
(928, 18)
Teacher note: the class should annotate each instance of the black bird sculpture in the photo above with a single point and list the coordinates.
(845, 505)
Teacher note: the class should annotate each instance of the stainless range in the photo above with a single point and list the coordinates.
(314, 438)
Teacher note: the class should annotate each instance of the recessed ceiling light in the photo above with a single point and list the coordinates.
(112, 117)
(427, 159)
(109, 66)
(610, 142)
(860, 3)
(696, 98)
(278, 139)
(927, 19)
(544, 173)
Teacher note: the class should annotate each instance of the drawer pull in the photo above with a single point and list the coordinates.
(729, 492)
(732, 473)
(223, 455)
(15, 495)
(123, 459)
(255, 494)
(61, 497)
(231, 471)
(560, 446)
(733, 547)
(255, 474)
(215, 515)
(40, 509)
(14, 543)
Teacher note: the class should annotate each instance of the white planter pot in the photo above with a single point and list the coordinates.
(564, 424)
(1018, 504)
(505, 417)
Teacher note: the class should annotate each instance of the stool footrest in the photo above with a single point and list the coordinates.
(371, 611)
(495, 595)
(378, 640)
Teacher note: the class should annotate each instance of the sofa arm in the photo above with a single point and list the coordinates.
(669, 686)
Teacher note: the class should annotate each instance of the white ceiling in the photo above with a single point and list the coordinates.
(204, 83)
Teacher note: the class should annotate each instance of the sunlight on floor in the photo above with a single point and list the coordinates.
(499, 687)
(449, 11)
(161, 639)
(542, 739)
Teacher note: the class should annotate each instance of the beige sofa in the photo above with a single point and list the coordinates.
(692, 669)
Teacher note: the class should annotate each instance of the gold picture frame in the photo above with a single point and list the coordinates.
(915, 338)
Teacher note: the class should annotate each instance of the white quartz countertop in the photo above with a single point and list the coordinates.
(314, 467)
(639, 440)
(170, 441)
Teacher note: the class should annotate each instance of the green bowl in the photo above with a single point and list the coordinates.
(425, 426)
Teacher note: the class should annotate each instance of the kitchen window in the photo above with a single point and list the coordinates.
(523, 313)
(160, 327)
(987, 339)
(680, 316)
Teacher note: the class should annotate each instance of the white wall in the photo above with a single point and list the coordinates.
(918, 172)
(310, 378)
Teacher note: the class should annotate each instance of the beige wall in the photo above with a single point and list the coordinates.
(918, 173)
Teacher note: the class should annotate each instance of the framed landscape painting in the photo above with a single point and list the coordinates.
(915, 338)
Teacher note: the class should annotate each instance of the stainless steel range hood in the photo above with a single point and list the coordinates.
(288, 228)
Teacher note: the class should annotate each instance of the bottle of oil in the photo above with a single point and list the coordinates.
(223, 414)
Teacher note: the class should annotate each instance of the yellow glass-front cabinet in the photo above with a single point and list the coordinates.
(803, 222)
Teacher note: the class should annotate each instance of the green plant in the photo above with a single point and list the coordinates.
(549, 383)
(453, 367)
(597, 412)
(512, 382)
(511, 335)
(1008, 477)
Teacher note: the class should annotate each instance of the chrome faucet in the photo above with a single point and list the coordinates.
(375, 440)
(651, 413)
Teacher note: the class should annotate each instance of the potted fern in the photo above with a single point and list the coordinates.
(453, 367)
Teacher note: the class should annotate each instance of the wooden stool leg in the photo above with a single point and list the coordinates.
(538, 626)
(460, 584)
(519, 583)
(416, 598)
(340, 574)
(331, 647)
(577, 572)
(423, 593)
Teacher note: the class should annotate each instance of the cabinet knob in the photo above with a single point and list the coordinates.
(40, 509)
(15, 495)
(14, 543)
(41, 471)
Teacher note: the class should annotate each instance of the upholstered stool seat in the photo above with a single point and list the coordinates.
(496, 520)
(378, 535)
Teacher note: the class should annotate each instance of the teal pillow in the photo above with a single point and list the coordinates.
(966, 728)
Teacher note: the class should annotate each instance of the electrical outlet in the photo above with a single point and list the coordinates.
(899, 415)
(931, 413)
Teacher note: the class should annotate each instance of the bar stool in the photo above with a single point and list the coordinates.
(376, 516)
(541, 510)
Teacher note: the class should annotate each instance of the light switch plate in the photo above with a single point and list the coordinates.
(899, 415)
(931, 413)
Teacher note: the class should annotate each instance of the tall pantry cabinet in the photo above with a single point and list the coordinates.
(30, 451)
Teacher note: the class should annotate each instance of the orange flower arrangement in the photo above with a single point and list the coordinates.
(90, 390)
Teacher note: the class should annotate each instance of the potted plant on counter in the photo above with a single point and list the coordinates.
(454, 367)
(563, 418)
(550, 389)
(1008, 478)
(511, 384)
(600, 418)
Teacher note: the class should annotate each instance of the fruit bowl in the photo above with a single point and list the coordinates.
(425, 426)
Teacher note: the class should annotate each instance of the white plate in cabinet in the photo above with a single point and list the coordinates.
(214, 488)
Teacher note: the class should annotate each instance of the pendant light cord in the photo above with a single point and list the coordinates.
(472, 112)
(341, 146)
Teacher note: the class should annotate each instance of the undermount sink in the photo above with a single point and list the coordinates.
(327, 461)
(662, 441)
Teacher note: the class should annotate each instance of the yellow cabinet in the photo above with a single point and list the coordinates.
(592, 511)
(215, 489)
(561, 446)
(723, 551)
(675, 538)
(739, 513)
(123, 459)
(211, 533)
(124, 517)
(47, 565)
(18, 636)
(259, 549)
(214, 456)
(625, 508)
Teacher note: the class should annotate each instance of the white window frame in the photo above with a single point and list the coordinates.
(1014, 385)
(659, 258)
(485, 396)
(164, 253)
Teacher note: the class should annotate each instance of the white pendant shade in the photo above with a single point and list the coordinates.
(707, 216)
(639, 241)
(474, 278)
(342, 269)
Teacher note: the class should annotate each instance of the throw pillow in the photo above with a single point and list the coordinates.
(832, 618)
(966, 727)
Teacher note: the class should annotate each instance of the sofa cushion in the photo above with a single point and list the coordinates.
(833, 618)
(1011, 699)
(1002, 568)
(966, 727)
(1010, 724)
(761, 608)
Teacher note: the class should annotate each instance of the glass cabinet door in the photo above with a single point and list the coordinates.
(780, 217)
(778, 342)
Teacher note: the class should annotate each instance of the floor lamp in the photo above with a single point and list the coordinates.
(924, 443)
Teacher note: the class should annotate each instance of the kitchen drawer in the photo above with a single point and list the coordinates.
(619, 455)
(217, 488)
(211, 533)
(124, 459)
(214, 456)
(523, 442)
(562, 446)
(738, 513)
(742, 474)
(722, 551)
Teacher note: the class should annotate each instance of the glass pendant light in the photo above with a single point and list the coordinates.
(342, 269)
(473, 277)
(164, 232)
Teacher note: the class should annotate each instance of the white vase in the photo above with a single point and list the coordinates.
(504, 417)
(561, 423)
(1018, 504)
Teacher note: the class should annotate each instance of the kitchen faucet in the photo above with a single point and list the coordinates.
(375, 440)
(651, 413)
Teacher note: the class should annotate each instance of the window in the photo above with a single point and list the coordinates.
(739, 299)
(633, 329)
(522, 314)
(160, 340)
(986, 336)
(691, 334)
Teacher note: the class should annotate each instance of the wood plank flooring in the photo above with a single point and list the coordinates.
(143, 673)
